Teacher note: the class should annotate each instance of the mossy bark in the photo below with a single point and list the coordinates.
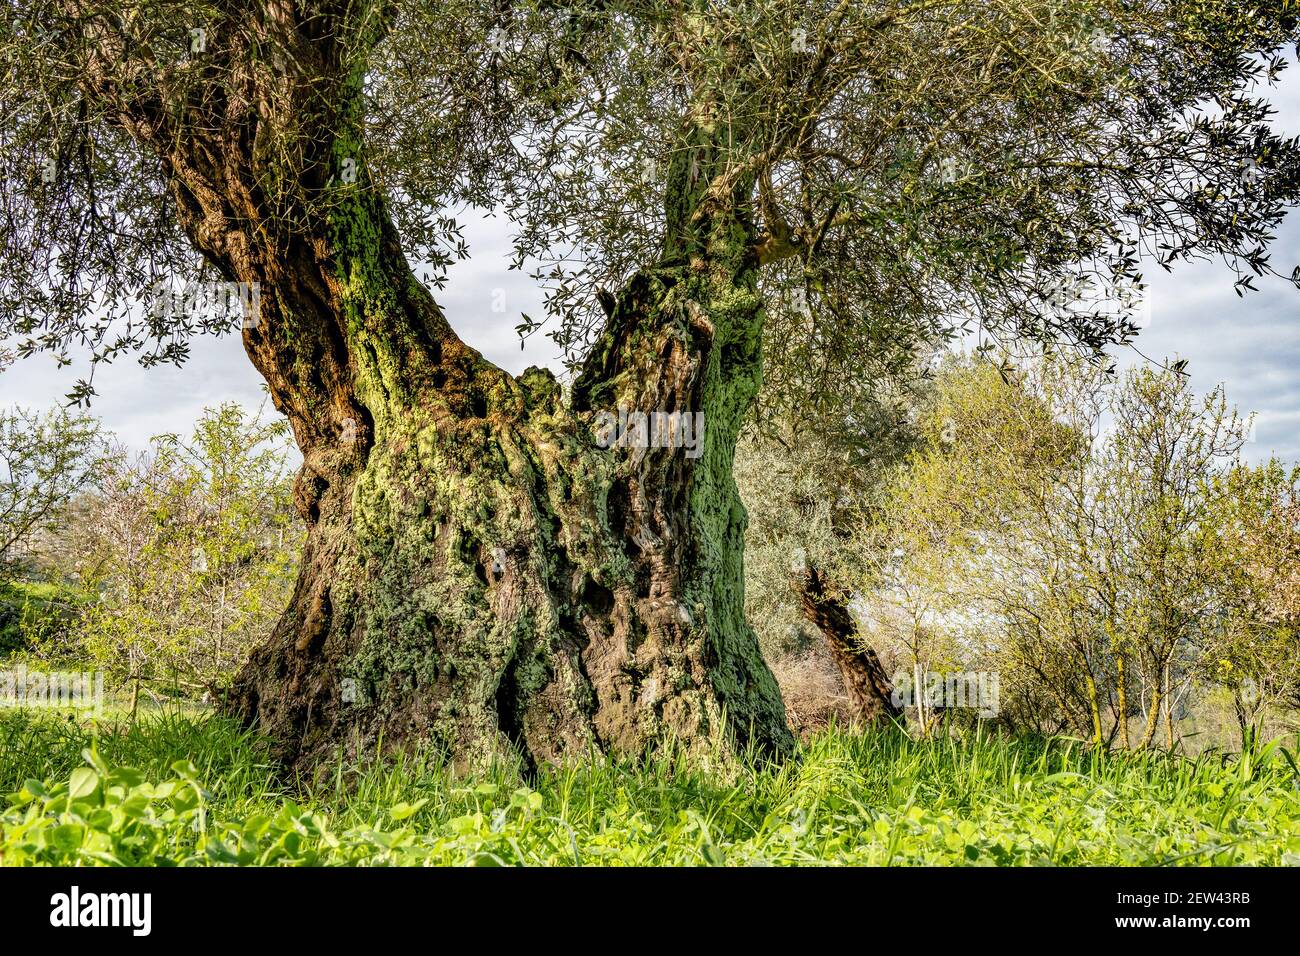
(480, 575)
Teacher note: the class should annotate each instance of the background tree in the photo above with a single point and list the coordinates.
(802, 481)
(491, 578)
(1252, 647)
(44, 461)
(1096, 542)
(989, 446)
(1156, 493)
(192, 549)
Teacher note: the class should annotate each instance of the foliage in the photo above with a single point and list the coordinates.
(1253, 650)
(45, 459)
(1098, 543)
(204, 796)
(911, 169)
(907, 167)
(191, 549)
(39, 617)
(802, 482)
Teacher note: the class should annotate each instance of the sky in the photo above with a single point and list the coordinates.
(1251, 345)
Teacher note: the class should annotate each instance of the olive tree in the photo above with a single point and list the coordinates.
(494, 566)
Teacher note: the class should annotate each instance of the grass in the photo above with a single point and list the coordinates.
(203, 792)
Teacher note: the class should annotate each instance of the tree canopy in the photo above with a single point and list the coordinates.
(909, 168)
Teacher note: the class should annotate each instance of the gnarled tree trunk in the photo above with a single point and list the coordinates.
(869, 690)
(480, 575)
(493, 580)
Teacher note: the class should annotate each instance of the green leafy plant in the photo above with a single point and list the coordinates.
(879, 798)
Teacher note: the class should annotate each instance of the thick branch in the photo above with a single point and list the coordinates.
(865, 682)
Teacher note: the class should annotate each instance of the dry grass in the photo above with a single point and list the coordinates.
(813, 691)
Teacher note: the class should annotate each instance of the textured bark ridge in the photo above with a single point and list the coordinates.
(479, 575)
(869, 690)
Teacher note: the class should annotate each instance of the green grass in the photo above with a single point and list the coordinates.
(202, 791)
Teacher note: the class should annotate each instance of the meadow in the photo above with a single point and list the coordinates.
(193, 789)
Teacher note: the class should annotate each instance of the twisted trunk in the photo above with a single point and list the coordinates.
(868, 688)
(481, 574)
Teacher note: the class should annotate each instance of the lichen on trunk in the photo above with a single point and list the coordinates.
(481, 576)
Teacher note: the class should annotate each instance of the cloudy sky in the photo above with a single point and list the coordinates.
(1251, 344)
